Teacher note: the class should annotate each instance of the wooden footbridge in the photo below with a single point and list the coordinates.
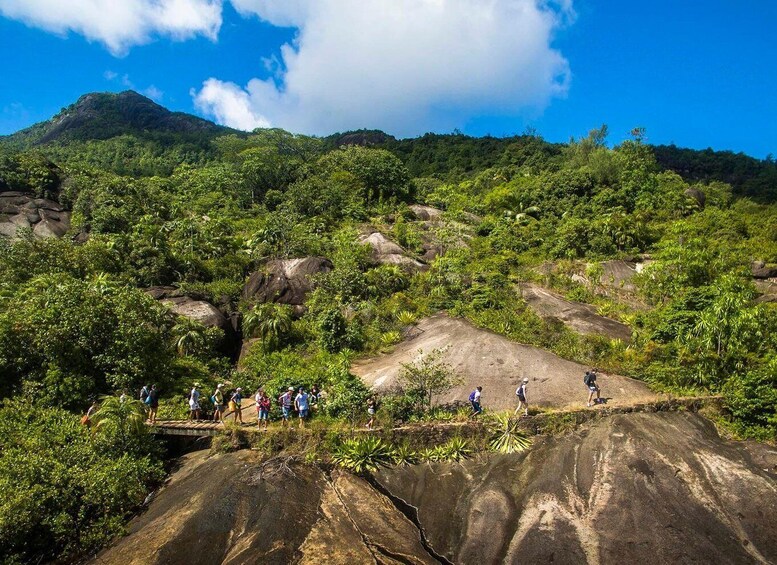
(205, 427)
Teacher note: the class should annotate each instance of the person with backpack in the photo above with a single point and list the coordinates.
(263, 409)
(521, 394)
(144, 393)
(474, 400)
(590, 381)
(218, 403)
(285, 402)
(194, 402)
(237, 400)
(371, 409)
(302, 406)
(152, 401)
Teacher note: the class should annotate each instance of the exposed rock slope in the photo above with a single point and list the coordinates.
(497, 364)
(580, 317)
(633, 488)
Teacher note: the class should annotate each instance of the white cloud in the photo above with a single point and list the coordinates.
(119, 24)
(229, 104)
(153, 92)
(405, 66)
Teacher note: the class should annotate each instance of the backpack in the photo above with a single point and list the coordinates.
(213, 399)
(587, 379)
(472, 396)
(148, 399)
(143, 394)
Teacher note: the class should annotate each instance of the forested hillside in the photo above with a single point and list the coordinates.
(120, 223)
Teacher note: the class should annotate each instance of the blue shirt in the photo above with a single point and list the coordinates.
(302, 401)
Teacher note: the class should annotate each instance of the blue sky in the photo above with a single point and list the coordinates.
(695, 74)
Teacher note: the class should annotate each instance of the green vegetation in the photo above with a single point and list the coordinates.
(198, 208)
(65, 489)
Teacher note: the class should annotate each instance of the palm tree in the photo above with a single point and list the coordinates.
(189, 336)
(270, 321)
(123, 420)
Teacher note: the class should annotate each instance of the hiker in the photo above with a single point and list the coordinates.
(237, 400)
(314, 396)
(474, 399)
(263, 410)
(257, 401)
(521, 394)
(285, 402)
(152, 401)
(590, 381)
(86, 419)
(123, 396)
(218, 403)
(371, 408)
(194, 403)
(302, 406)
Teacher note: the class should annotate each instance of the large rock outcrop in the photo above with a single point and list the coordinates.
(46, 218)
(386, 252)
(483, 358)
(285, 281)
(580, 317)
(637, 488)
(632, 488)
(203, 312)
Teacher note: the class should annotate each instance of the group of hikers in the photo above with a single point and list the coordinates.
(589, 379)
(301, 404)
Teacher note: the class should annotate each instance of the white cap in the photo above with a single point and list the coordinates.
(526, 380)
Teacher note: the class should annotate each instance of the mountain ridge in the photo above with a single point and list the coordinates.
(103, 115)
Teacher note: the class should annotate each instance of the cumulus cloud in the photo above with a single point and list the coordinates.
(405, 66)
(229, 104)
(119, 24)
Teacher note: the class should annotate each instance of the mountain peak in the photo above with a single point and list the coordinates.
(102, 115)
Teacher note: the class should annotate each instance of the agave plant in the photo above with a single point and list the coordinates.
(364, 454)
(406, 318)
(388, 339)
(405, 455)
(455, 449)
(508, 437)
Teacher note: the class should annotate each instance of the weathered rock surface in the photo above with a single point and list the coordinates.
(386, 252)
(18, 210)
(768, 290)
(632, 488)
(232, 509)
(285, 281)
(486, 359)
(763, 271)
(638, 488)
(580, 317)
(198, 310)
(425, 213)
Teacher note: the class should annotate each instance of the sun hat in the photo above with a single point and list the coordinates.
(221, 385)
(291, 388)
(526, 380)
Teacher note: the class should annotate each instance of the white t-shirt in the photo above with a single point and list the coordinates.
(477, 395)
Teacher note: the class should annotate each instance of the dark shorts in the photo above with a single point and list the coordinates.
(286, 410)
(521, 398)
(476, 406)
(303, 412)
